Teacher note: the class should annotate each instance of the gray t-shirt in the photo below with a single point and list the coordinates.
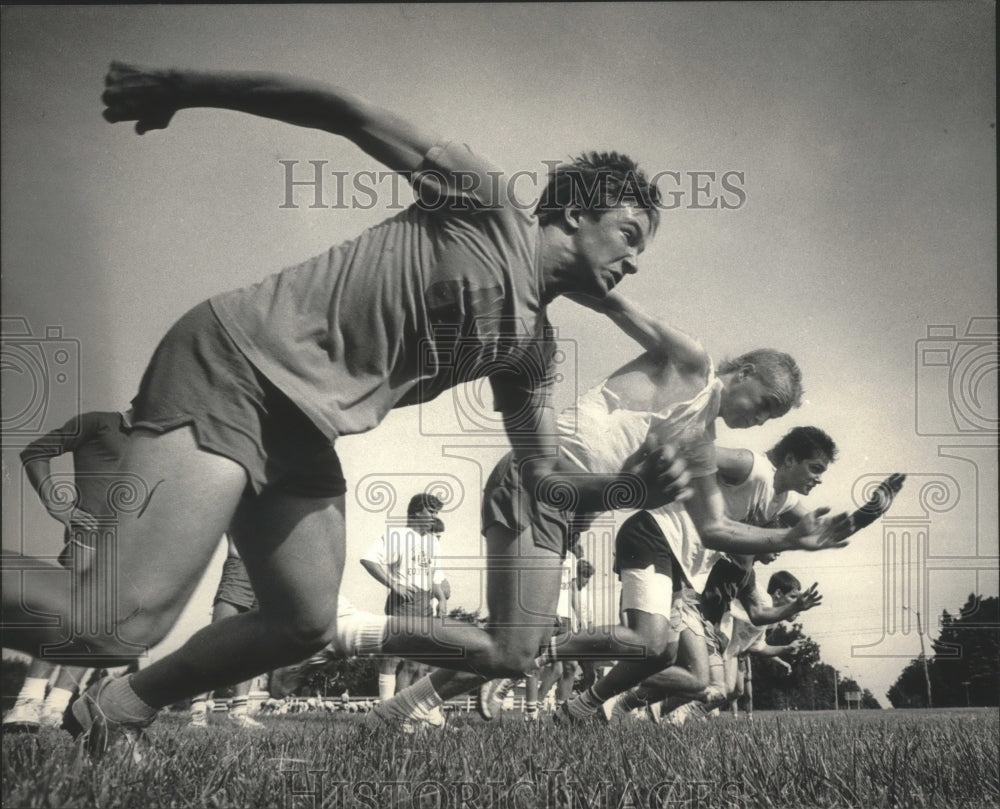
(440, 294)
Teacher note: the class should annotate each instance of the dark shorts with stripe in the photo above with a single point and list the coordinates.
(199, 378)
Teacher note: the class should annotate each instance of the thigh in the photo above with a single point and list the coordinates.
(223, 609)
(522, 586)
(653, 627)
(176, 501)
(692, 654)
(293, 549)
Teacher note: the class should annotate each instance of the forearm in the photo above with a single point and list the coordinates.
(729, 536)
(297, 101)
(377, 572)
(584, 492)
(156, 94)
(763, 616)
(39, 474)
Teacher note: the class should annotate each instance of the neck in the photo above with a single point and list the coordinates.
(557, 263)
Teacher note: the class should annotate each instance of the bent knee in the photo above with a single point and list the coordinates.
(306, 635)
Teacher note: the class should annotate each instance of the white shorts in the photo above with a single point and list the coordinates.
(687, 614)
(646, 590)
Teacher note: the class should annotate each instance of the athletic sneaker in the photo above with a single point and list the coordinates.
(24, 717)
(415, 723)
(654, 712)
(199, 719)
(244, 721)
(86, 721)
(562, 716)
(613, 712)
(492, 693)
(531, 716)
(713, 694)
(679, 715)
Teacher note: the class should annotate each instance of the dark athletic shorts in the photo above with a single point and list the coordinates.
(420, 606)
(198, 377)
(234, 586)
(506, 503)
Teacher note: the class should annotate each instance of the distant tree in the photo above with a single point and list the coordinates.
(809, 686)
(847, 685)
(464, 616)
(965, 667)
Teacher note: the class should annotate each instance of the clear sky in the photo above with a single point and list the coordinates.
(861, 239)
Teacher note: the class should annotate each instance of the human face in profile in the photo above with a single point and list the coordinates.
(606, 247)
(746, 401)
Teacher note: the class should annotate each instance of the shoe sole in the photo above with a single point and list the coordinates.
(87, 727)
(481, 704)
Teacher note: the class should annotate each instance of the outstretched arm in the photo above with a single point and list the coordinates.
(761, 614)
(878, 504)
(706, 508)
(151, 96)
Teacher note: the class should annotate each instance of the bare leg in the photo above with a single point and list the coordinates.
(659, 647)
(162, 541)
(546, 678)
(293, 551)
(522, 594)
(689, 676)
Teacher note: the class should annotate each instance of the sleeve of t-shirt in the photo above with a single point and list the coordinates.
(377, 553)
(61, 440)
(453, 172)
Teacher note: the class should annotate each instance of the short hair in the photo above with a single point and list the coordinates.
(423, 501)
(777, 371)
(784, 581)
(598, 182)
(584, 569)
(438, 526)
(802, 443)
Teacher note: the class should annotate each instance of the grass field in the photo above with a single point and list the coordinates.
(863, 759)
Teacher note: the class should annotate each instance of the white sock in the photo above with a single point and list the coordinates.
(33, 689)
(57, 700)
(121, 704)
(386, 686)
(420, 698)
(360, 633)
(548, 655)
(199, 705)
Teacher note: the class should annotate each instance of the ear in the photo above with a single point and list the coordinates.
(571, 217)
(790, 460)
(747, 370)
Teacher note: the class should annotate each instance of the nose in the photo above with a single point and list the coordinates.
(630, 266)
(761, 419)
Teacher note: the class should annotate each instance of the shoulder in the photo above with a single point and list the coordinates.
(735, 464)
